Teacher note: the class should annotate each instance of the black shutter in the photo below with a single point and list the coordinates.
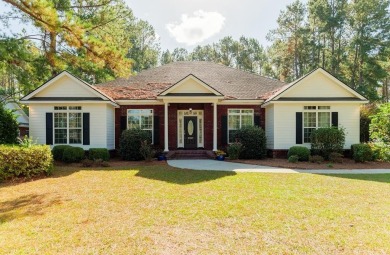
(224, 130)
(49, 128)
(335, 119)
(298, 134)
(86, 128)
(123, 123)
(257, 121)
(156, 130)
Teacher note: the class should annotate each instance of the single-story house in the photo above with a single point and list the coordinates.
(192, 105)
(22, 118)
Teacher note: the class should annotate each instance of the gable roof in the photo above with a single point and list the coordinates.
(230, 82)
(277, 94)
(99, 96)
(181, 83)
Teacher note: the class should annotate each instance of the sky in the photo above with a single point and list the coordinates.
(188, 23)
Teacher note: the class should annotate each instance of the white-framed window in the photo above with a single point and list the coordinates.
(68, 125)
(141, 118)
(238, 118)
(315, 117)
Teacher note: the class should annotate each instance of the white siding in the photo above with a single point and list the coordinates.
(318, 85)
(190, 86)
(110, 127)
(98, 123)
(285, 123)
(66, 87)
(269, 126)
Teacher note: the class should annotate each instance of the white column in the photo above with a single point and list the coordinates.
(166, 127)
(215, 127)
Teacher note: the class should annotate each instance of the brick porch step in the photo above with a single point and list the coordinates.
(190, 154)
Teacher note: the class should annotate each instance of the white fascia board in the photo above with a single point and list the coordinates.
(314, 102)
(188, 77)
(175, 99)
(70, 102)
(241, 102)
(140, 102)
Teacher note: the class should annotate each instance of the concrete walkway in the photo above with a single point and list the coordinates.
(215, 165)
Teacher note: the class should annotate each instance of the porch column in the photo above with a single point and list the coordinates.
(215, 127)
(166, 127)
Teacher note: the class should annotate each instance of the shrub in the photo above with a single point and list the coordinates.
(130, 143)
(324, 141)
(361, 152)
(253, 141)
(17, 161)
(336, 157)
(99, 153)
(380, 151)
(234, 150)
(146, 150)
(303, 153)
(8, 126)
(316, 159)
(380, 125)
(73, 154)
(293, 159)
(58, 151)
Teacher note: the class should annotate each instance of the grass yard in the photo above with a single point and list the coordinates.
(155, 209)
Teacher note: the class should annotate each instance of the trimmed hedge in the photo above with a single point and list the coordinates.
(17, 161)
(73, 154)
(303, 153)
(130, 143)
(99, 153)
(253, 141)
(362, 152)
(58, 151)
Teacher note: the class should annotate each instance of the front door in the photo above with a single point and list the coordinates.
(190, 132)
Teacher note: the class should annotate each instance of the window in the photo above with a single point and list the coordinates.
(67, 125)
(315, 117)
(238, 118)
(140, 118)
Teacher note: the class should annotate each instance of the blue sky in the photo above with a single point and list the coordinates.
(187, 23)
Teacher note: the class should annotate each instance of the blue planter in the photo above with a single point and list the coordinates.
(221, 158)
(161, 158)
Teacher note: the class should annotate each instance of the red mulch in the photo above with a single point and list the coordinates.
(347, 164)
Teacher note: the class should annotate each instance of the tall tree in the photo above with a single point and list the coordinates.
(82, 34)
(145, 48)
(290, 39)
(370, 39)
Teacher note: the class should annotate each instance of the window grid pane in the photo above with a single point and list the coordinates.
(74, 136)
(323, 119)
(60, 136)
(60, 120)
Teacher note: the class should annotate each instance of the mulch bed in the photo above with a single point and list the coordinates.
(347, 164)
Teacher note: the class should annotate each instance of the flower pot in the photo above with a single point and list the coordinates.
(221, 158)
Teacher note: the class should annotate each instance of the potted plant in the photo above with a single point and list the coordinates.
(220, 155)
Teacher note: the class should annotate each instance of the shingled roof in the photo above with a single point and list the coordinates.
(231, 82)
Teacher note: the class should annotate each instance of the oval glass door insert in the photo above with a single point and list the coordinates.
(190, 127)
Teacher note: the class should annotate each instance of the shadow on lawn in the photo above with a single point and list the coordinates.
(182, 176)
(27, 205)
(363, 177)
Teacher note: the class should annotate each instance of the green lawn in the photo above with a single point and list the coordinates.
(161, 210)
